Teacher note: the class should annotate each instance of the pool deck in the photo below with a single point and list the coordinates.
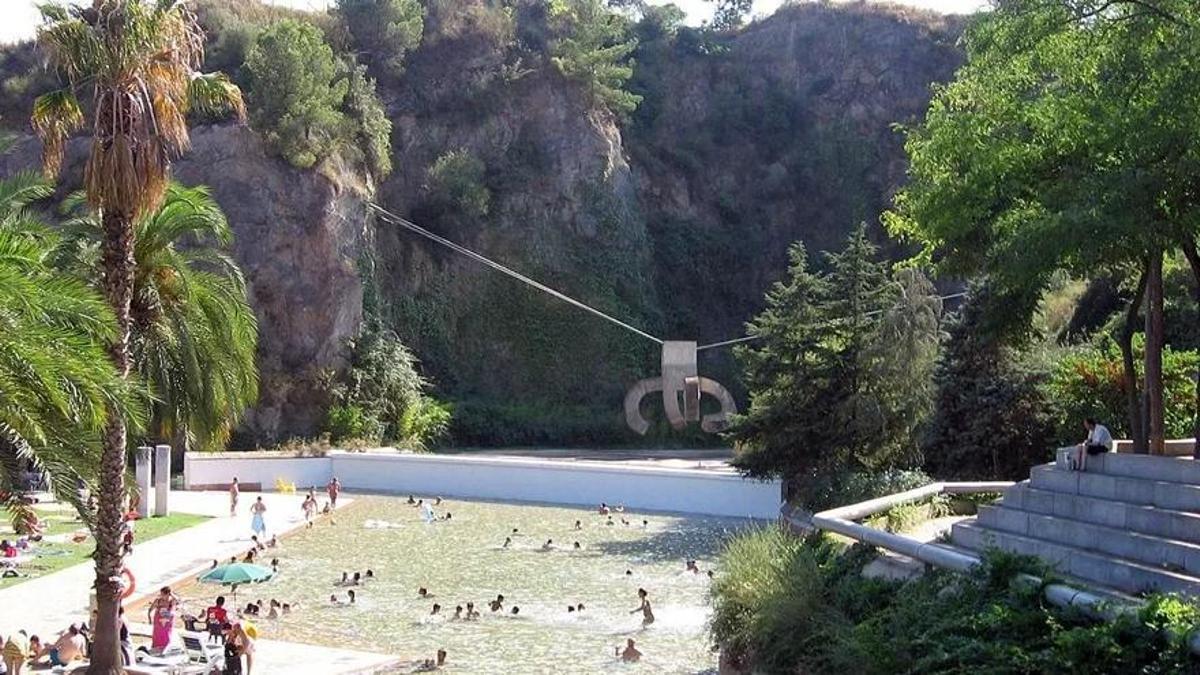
(46, 605)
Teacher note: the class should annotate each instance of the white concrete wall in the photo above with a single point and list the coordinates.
(521, 479)
(203, 469)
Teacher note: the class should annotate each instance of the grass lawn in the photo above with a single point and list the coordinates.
(50, 557)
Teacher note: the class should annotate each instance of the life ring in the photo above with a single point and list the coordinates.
(129, 583)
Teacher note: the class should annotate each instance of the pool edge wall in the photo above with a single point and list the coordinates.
(697, 491)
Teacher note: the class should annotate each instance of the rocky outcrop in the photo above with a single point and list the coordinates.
(298, 237)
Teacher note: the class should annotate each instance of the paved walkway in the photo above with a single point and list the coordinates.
(46, 605)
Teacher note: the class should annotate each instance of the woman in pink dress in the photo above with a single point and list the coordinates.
(162, 618)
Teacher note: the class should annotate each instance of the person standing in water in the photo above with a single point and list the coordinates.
(234, 491)
(630, 654)
(257, 524)
(644, 608)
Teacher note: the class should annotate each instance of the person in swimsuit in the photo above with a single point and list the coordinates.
(161, 615)
(578, 525)
(630, 654)
(458, 615)
(436, 609)
(471, 613)
(507, 542)
(644, 608)
(497, 604)
(549, 545)
(309, 508)
(257, 524)
(234, 491)
(334, 489)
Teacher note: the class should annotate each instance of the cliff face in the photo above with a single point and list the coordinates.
(298, 236)
(675, 220)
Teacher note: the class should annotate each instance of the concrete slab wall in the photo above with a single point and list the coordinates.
(213, 470)
(523, 479)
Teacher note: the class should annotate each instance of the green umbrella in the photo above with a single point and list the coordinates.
(237, 573)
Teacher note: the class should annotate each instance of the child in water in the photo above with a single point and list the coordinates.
(644, 608)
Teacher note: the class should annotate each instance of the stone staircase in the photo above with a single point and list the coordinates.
(1129, 523)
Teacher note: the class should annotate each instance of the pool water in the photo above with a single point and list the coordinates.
(463, 560)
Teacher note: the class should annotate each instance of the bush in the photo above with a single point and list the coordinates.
(1090, 382)
(351, 422)
(820, 490)
(786, 605)
(384, 30)
(455, 181)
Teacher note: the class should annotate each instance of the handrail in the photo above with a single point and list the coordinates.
(841, 520)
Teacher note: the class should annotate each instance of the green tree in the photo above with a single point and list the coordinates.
(194, 336)
(593, 48)
(1064, 143)
(384, 31)
(374, 128)
(730, 14)
(137, 61)
(57, 384)
(295, 92)
(831, 375)
(991, 419)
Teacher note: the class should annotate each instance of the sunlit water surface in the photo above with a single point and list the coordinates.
(463, 560)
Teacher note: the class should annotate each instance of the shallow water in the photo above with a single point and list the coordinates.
(463, 560)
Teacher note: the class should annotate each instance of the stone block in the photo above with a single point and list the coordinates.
(1136, 490)
(1054, 480)
(1002, 518)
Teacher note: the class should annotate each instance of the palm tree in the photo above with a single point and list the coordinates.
(56, 385)
(194, 335)
(137, 61)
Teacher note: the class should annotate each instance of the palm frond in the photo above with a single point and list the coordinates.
(214, 94)
(55, 116)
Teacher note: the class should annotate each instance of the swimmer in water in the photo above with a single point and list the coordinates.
(516, 610)
(411, 501)
(437, 501)
(628, 573)
(710, 574)
(514, 530)
(570, 609)
(507, 542)
(630, 654)
(424, 592)
(497, 605)
(577, 546)
(356, 580)
(549, 545)
(625, 522)
(609, 521)
(644, 608)
(369, 575)
(580, 608)
(645, 523)
(345, 580)
(436, 608)
(471, 613)
(578, 525)
(351, 594)
(691, 567)
(604, 509)
(457, 613)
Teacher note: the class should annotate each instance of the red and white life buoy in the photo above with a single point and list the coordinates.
(128, 582)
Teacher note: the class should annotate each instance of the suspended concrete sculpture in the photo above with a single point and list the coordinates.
(682, 388)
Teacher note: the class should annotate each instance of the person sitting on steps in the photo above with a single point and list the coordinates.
(1098, 440)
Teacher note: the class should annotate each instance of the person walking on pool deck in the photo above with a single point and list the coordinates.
(1098, 440)
(334, 488)
(234, 491)
(257, 524)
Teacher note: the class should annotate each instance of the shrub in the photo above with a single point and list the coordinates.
(456, 181)
(820, 490)
(1089, 382)
(348, 422)
(786, 605)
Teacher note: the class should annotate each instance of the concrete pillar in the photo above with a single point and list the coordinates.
(162, 479)
(142, 472)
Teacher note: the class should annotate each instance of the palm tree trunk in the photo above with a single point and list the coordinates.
(1154, 346)
(1193, 258)
(1137, 426)
(118, 266)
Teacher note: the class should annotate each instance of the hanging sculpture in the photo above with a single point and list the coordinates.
(682, 388)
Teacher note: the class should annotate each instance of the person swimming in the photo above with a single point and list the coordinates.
(411, 501)
(458, 609)
(609, 521)
(570, 609)
(497, 604)
(436, 609)
(507, 542)
(549, 545)
(625, 522)
(604, 510)
(351, 594)
(345, 580)
(423, 592)
(437, 501)
(514, 531)
(471, 613)
(356, 580)
(644, 608)
(578, 525)
(645, 523)
(275, 607)
(628, 573)
(691, 567)
(630, 654)
(369, 575)
(580, 608)
(576, 546)
(516, 610)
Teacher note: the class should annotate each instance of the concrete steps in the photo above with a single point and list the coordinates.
(1130, 523)
(1107, 571)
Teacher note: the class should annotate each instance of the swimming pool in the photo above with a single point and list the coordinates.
(463, 559)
